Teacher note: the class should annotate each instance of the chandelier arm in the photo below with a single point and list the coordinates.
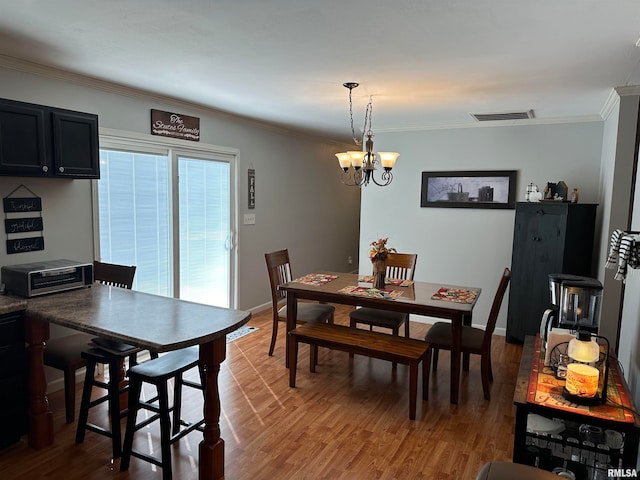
(352, 178)
(386, 177)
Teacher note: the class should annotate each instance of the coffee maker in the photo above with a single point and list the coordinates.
(575, 304)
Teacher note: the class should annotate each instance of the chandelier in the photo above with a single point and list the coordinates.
(358, 166)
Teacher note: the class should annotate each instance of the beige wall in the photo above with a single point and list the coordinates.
(472, 246)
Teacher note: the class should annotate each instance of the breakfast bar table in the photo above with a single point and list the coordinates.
(420, 298)
(151, 322)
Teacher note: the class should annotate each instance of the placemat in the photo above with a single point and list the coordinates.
(316, 279)
(546, 390)
(457, 295)
(370, 292)
(396, 282)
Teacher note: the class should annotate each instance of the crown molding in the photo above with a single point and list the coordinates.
(496, 123)
(629, 90)
(612, 101)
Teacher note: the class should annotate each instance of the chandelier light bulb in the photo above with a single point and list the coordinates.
(388, 159)
(344, 159)
(357, 158)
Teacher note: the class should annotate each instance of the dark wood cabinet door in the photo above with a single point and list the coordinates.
(75, 144)
(537, 251)
(13, 379)
(23, 140)
(544, 243)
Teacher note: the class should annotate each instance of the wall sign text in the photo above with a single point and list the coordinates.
(175, 125)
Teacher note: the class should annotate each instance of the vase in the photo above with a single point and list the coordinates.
(379, 272)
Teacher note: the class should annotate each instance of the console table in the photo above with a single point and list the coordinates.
(539, 392)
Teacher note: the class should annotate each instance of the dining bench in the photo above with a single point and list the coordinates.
(406, 351)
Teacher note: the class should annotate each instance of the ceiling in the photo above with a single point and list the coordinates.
(427, 63)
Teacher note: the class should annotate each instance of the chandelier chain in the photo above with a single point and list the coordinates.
(368, 114)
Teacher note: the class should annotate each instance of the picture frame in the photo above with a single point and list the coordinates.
(469, 189)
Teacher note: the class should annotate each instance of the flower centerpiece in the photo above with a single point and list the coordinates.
(378, 254)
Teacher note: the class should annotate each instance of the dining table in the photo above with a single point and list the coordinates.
(444, 301)
(151, 322)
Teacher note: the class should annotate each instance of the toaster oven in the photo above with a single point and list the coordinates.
(40, 278)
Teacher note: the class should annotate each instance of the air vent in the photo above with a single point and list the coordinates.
(491, 117)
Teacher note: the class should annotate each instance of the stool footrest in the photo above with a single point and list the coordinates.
(98, 429)
(190, 427)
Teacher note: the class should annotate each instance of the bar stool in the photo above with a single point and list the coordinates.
(93, 357)
(158, 372)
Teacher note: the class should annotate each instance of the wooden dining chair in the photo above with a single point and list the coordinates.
(279, 268)
(401, 266)
(65, 353)
(474, 340)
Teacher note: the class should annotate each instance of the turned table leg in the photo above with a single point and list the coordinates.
(40, 416)
(211, 449)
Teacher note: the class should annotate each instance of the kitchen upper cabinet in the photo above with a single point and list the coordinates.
(37, 140)
(549, 237)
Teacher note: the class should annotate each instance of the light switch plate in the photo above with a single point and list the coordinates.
(249, 218)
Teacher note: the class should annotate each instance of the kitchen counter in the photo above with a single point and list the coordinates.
(9, 304)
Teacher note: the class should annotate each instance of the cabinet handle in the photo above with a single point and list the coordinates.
(45, 168)
(61, 169)
(540, 212)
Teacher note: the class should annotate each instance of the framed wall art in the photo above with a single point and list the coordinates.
(469, 189)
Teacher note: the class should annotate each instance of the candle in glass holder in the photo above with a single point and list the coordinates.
(582, 380)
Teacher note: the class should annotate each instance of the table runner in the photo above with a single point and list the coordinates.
(370, 292)
(316, 279)
(396, 282)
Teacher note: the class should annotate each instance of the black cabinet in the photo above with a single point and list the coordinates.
(13, 379)
(548, 238)
(41, 141)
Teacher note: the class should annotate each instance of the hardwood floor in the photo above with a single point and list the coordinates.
(347, 421)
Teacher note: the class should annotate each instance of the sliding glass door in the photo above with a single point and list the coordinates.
(170, 214)
(204, 232)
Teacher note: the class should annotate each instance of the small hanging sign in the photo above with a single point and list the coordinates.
(22, 245)
(14, 226)
(252, 188)
(17, 204)
(22, 225)
(175, 125)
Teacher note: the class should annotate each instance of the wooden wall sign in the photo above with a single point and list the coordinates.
(252, 188)
(22, 225)
(175, 125)
(21, 205)
(23, 215)
(23, 245)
